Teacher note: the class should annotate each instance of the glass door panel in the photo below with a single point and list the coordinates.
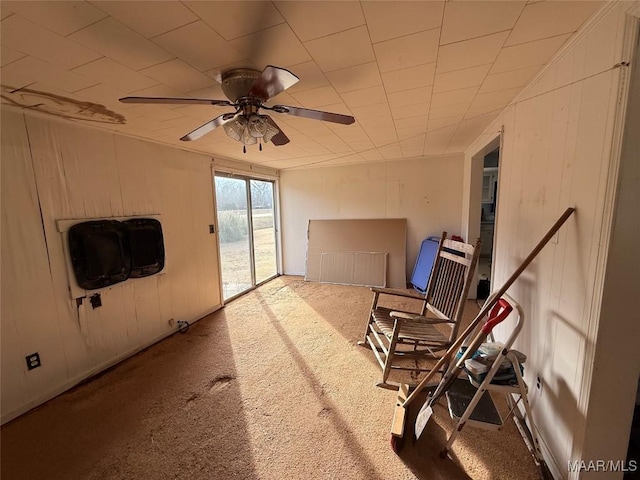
(264, 232)
(233, 226)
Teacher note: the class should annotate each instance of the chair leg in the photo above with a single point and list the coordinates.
(374, 304)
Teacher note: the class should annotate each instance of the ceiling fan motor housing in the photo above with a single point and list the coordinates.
(237, 83)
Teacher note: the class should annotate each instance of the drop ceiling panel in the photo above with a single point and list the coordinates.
(9, 55)
(115, 75)
(419, 77)
(310, 77)
(61, 17)
(198, 45)
(179, 75)
(355, 78)
(408, 51)
(507, 80)
(112, 39)
(465, 20)
(30, 38)
(470, 53)
(409, 78)
(311, 20)
(364, 97)
(149, 18)
(468, 77)
(341, 50)
(528, 54)
(28, 70)
(387, 20)
(233, 19)
(463, 96)
(548, 19)
(284, 48)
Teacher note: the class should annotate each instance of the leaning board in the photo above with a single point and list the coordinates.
(370, 235)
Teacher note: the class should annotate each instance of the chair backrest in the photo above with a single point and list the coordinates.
(450, 280)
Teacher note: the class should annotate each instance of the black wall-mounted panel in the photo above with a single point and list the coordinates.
(147, 246)
(100, 253)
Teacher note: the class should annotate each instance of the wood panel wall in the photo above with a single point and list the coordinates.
(54, 170)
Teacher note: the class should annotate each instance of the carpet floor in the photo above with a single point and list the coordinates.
(272, 386)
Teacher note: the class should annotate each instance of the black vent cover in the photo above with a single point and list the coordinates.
(100, 253)
(147, 246)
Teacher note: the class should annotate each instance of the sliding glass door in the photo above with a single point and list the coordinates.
(247, 234)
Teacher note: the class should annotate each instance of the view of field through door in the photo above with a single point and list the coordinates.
(246, 224)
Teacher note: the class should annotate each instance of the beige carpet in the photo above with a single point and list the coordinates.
(271, 387)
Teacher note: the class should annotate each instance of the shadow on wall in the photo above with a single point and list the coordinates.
(171, 411)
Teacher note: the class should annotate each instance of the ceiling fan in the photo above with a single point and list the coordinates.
(248, 90)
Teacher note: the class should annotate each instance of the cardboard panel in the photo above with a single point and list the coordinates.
(362, 235)
(367, 269)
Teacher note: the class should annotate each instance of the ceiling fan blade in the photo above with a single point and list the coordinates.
(207, 127)
(271, 82)
(314, 114)
(176, 101)
(280, 138)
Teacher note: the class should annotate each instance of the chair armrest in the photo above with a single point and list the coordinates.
(419, 318)
(398, 293)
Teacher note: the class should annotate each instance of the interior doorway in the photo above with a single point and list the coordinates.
(246, 231)
(488, 205)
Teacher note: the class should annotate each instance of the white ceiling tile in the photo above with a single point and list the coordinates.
(160, 91)
(510, 79)
(310, 20)
(470, 53)
(372, 111)
(233, 19)
(409, 111)
(61, 17)
(408, 51)
(387, 20)
(214, 91)
(149, 18)
(548, 19)
(179, 75)
(118, 42)
(4, 12)
(372, 155)
(419, 123)
(342, 50)
(528, 54)
(317, 97)
(437, 141)
(438, 123)
(310, 77)
(409, 78)
(276, 45)
(364, 97)
(105, 95)
(29, 70)
(199, 46)
(333, 143)
(478, 110)
(501, 97)
(115, 75)
(468, 77)
(450, 111)
(9, 55)
(454, 97)
(355, 78)
(413, 147)
(30, 38)
(391, 151)
(465, 20)
(411, 97)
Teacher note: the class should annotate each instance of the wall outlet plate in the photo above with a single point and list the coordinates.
(33, 361)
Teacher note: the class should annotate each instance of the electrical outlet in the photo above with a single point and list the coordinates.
(539, 383)
(33, 361)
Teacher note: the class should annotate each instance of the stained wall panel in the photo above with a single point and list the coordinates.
(54, 170)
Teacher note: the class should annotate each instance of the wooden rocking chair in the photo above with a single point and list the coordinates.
(395, 335)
